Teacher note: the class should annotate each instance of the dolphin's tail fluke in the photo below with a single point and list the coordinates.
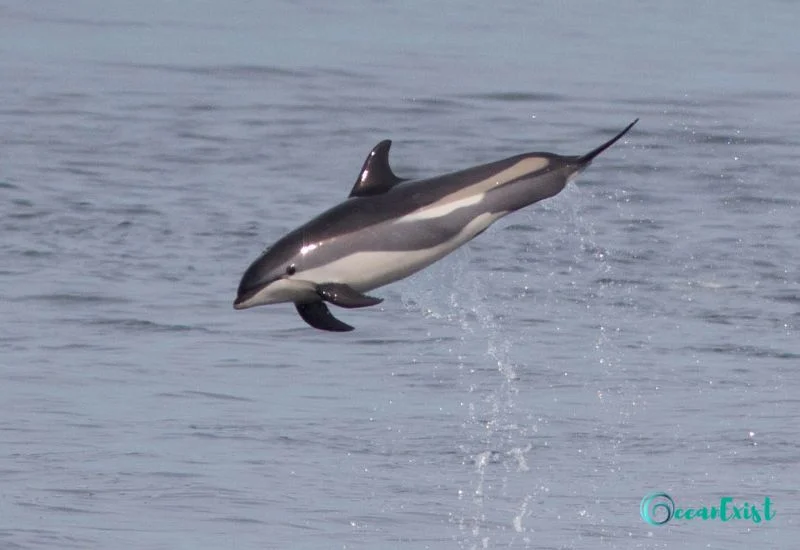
(589, 157)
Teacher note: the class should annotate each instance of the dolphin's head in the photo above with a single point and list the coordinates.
(270, 279)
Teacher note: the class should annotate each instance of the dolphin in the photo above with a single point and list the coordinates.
(390, 228)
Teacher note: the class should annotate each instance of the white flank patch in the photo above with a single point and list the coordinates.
(473, 194)
(438, 210)
(527, 165)
(365, 271)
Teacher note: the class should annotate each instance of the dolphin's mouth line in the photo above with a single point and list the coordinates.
(243, 297)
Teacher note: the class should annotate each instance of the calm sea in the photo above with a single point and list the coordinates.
(637, 333)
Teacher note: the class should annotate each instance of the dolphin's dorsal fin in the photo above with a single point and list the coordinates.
(376, 176)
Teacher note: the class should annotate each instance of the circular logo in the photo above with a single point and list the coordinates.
(657, 508)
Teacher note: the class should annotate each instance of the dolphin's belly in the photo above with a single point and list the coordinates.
(368, 267)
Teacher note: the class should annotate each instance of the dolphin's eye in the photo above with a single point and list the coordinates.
(291, 270)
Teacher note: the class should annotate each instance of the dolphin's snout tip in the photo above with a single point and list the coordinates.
(245, 298)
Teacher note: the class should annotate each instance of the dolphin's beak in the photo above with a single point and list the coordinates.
(245, 294)
(243, 297)
(275, 291)
(240, 302)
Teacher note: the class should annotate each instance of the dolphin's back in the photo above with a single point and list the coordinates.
(359, 213)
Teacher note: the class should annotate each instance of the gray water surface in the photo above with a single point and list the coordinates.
(636, 333)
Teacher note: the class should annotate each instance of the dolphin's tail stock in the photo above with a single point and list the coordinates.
(586, 159)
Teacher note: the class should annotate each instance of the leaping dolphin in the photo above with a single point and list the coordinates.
(389, 228)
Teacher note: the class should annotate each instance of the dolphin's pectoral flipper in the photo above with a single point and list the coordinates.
(319, 316)
(345, 296)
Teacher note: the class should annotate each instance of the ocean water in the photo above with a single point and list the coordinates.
(636, 333)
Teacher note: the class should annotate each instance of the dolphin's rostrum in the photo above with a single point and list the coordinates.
(389, 228)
